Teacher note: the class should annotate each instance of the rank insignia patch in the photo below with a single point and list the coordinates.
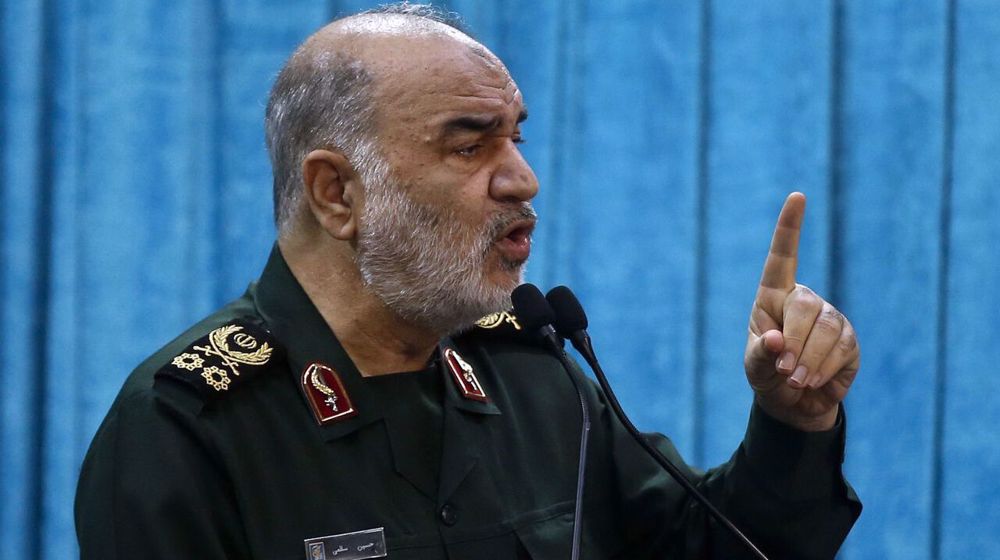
(219, 360)
(464, 376)
(327, 396)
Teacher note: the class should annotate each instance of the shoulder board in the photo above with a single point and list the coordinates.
(223, 359)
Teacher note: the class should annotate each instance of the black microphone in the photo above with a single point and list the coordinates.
(535, 315)
(571, 322)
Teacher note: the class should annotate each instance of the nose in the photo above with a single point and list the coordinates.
(513, 180)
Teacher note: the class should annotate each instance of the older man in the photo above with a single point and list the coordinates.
(354, 404)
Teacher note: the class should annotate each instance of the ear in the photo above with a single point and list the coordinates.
(332, 190)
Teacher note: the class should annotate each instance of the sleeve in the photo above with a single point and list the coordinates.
(783, 488)
(149, 487)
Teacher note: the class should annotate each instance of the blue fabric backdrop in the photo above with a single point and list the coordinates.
(136, 199)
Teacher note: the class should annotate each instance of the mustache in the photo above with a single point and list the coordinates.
(508, 217)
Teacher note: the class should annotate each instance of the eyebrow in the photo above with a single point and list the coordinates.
(478, 123)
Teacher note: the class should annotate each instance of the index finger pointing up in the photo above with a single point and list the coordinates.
(783, 258)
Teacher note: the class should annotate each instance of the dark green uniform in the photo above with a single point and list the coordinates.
(230, 462)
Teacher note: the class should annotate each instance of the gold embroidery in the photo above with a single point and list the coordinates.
(217, 378)
(188, 361)
(494, 320)
(219, 336)
(321, 385)
(219, 341)
(245, 341)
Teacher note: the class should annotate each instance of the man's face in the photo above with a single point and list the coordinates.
(427, 264)
(446, 225)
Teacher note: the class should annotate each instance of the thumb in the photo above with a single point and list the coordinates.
(762, 351)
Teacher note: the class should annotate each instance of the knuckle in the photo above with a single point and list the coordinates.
(827, 324)
(848, 344)
(804, 297)
(803, 289)
(834, 312)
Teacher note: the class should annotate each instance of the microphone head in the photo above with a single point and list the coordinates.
(570, 317)
(530, 306)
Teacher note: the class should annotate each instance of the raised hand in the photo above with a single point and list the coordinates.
(802, 354)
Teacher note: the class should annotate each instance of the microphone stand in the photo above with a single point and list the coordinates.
(581, 341)
(536, 314)
(557, 349)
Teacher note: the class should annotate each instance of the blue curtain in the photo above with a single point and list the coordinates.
(136, 198)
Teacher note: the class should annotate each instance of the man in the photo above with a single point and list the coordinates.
(347, 406)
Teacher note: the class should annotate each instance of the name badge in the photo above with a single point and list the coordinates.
(358, 545)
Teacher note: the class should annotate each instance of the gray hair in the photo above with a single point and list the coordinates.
(325, 100)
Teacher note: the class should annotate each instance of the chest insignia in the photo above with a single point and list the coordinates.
(464, 376)
(348, 546)
(327, 397)
(216, 362)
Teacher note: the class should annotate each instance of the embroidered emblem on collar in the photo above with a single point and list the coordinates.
(494, 320)
(215, 362)
(326, 394)
(464, 376)
(348, 546)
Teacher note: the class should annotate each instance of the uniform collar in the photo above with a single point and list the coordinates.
(297, 324)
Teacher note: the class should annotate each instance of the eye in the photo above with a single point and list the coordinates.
(518, 140)
(469, 151)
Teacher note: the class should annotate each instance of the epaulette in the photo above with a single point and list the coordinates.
(223, 359)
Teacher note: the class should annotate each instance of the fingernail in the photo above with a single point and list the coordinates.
(786, 361)
(799, 376)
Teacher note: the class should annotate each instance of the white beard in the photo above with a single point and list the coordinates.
(424, 263)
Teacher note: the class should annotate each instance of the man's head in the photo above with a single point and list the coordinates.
(393, 136)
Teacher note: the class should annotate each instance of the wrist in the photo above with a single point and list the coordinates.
(804, 422)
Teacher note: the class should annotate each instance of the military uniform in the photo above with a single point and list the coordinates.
(220, 446)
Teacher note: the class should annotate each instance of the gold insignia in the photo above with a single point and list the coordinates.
(217, 378)
(219, 338)
(215, 363)
(256, 354)
(494, 320)
(188, 361)
(322, 387)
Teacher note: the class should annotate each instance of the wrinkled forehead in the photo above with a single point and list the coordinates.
(418, 77)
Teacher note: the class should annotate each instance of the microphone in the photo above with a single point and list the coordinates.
(571, 323)
(535, 314)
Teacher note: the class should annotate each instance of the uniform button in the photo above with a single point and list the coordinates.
(448, 515)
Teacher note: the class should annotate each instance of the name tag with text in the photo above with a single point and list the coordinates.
(358, 545)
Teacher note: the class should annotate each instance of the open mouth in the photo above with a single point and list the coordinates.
(515, 241)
